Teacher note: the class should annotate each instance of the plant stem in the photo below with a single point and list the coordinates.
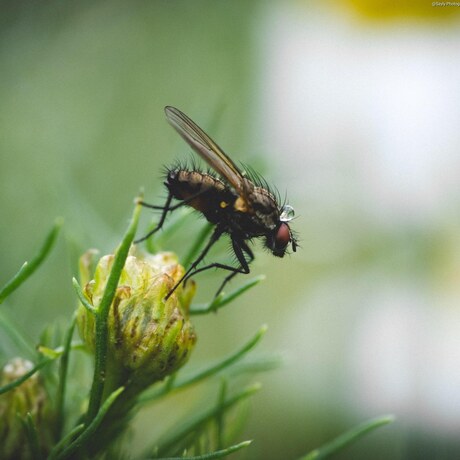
(63, 369)
(84, 436)
(101, 316)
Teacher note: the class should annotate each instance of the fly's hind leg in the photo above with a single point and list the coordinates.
(240, 248)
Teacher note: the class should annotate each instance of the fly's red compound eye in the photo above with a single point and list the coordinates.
(283, 236)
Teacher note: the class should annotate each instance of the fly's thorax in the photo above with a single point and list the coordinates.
(255, 215)
(264, 207)
(245, 191)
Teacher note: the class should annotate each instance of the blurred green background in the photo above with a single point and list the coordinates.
(350, 107)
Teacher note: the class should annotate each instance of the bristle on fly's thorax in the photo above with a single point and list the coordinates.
(265, 206)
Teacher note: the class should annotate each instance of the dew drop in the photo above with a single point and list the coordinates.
(287, 213)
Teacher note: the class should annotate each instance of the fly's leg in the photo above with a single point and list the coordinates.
(165, 209)
(239, 247)
(214, 237)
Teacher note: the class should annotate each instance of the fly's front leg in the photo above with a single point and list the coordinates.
(164, 210)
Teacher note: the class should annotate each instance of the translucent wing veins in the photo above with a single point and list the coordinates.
(202, 144)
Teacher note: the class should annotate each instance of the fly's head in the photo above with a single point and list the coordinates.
(279, 238)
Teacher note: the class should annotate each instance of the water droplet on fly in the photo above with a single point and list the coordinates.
(287, 213)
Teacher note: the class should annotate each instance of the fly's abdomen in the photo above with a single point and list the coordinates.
(202, 192)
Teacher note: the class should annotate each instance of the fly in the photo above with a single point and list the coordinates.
(237, 205)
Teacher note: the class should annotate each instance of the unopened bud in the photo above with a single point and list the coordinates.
(27, 399)
(148, 337)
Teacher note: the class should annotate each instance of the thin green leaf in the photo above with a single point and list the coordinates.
(172, 440)
(347, 438)
(223, 300)
(28, 268)
(238, 423)
(17, 338)
(197, 245)
(54, 353)
(48, 352)
(32, 436)
(100, 357)
(85, 435)
(17, 382)
(220, 419)
(203, 309)
(217, 454)
(82, 297)
(169, 384)
(86, 267)
(65, 440)
(181, 383)
(63, 371)
(256, 365)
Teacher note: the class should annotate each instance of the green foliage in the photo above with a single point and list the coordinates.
(347, 438)
(28, 268)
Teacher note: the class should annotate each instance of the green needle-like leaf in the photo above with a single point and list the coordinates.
(62, 385)
(26, 348)
(217, 454)
(66, 440)
(220, 419)
(90, 428)
(32, 436)
(54, 353)
(82, 297)
(347, 438)
(223, 300)
(23, 378)
(171, 441)
(255, 365)
(28, 268)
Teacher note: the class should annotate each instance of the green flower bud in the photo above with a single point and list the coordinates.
(28, 398)
(148, 338)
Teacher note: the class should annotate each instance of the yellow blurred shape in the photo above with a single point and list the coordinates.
(389, 10)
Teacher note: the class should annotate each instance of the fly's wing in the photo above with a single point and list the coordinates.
(202, 144)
